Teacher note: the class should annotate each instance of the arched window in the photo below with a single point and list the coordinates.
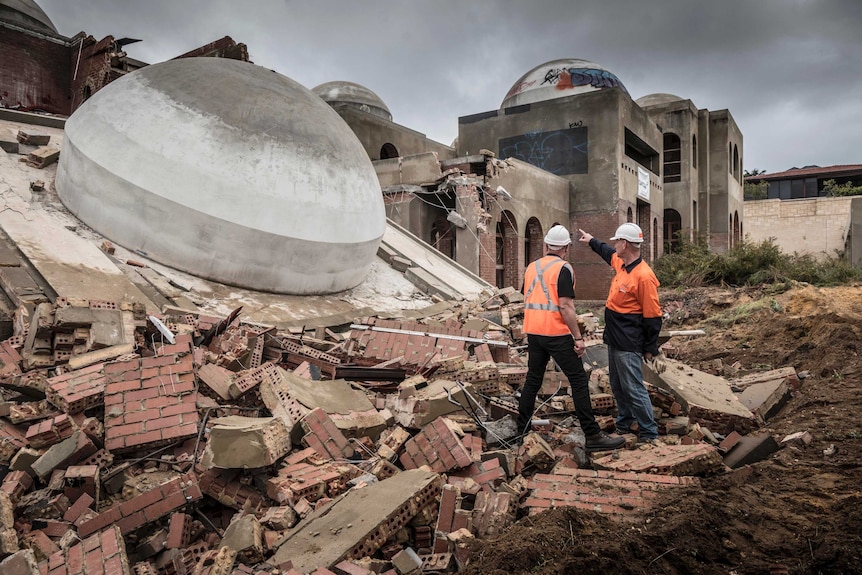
(730, 157)
(388, 151)
(629, 216)
(672, 158)
(736, 163)
(694, 151)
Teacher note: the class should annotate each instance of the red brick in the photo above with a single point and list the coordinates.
(75, 559)
(113, 565)
(179, 409)
(131, 522)
(110, 544)
(125, 429)
(93, 563)
(122, 386)
(78, 508)
(137, 503)
(144, 438)
(185, 430)
(156, 361)
(162, 422)
(177, 531)
(141, 394)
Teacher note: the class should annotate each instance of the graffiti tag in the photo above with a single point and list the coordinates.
(559, 152)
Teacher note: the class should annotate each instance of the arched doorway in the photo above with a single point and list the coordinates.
(730, 231)
(533, 241)
(672, 227)
(507, 262)
(737, 233)
(443, 236)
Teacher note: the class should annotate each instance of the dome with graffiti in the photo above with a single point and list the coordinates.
(558, 79)
(353, 95)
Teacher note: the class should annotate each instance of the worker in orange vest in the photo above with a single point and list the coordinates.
(551, 325)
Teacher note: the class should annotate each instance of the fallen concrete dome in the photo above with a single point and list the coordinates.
(228, 171)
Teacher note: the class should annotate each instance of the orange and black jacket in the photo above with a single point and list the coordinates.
(632, 312)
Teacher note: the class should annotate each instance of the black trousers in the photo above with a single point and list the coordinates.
(560, 347)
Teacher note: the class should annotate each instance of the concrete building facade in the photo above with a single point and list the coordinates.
(568, 145)
(371, 121)
(701, 171)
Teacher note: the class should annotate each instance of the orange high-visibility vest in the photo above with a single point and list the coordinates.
(541, 302)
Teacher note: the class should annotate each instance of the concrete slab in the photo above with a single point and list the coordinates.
(456, 277)
(289, 396)
(679, 460)
(751, 449)
(73, 266)
(359, 522)
(416, 408)
(238, 442)
(708, 399)
(766, 398)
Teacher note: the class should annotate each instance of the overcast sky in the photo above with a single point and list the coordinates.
(789, 71)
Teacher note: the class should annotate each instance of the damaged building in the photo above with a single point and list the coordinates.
(568, 145)
(166, 409)
(44, 71)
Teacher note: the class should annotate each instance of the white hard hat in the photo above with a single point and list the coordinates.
(629, 232)
(558, 237)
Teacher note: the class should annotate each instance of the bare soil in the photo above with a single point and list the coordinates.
(800, 511)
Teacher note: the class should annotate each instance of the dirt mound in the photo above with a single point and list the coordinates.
(808, 328)
(800, 511)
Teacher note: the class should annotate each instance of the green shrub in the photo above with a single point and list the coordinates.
(833, 188)
(693, 264)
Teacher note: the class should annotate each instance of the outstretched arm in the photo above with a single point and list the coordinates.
(598, 246)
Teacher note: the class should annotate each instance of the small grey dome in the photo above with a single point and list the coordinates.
(26, 12)
(657, 99)
(355, 95)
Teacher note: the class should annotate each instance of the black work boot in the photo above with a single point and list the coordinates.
(604, 442)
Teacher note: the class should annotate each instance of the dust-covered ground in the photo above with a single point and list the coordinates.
(800, 511)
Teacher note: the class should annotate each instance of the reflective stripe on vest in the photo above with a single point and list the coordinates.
(542, 314)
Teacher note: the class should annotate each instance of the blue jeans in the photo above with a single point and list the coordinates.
(540, 348)
(633, 403)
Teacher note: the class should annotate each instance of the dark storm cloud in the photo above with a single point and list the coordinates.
(789, 71)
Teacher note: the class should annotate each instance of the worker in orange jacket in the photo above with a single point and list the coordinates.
(632, 324)
(551, 325)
